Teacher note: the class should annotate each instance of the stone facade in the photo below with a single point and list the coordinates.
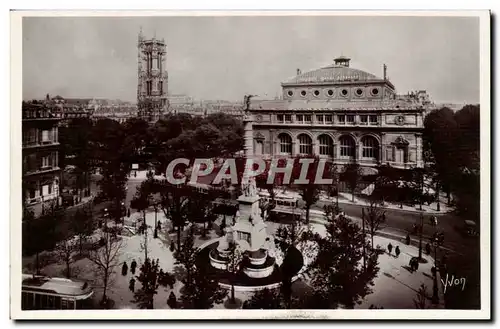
(40, 153)
(341, 113)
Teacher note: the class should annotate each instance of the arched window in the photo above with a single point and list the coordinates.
(370, 147)
(347, 147)
(305, 144)
(325, 145)
(285, 144)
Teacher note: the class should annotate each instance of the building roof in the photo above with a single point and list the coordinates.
(333, 73)
(59, 286)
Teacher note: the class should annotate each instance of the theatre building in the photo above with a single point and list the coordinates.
(341, 113)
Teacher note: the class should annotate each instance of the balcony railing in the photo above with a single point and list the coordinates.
(42, 144)
(41, 170)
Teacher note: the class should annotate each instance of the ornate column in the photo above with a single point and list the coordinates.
(247, 121)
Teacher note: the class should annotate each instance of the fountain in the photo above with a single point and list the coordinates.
(262, 258)
(250, 235)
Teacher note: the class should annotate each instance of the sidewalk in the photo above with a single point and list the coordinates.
(391, 233)
(429, 209)
(395, 287)
(346, 198)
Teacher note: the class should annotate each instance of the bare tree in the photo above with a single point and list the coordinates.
(374, 217)
(107, 258)
(65, 250)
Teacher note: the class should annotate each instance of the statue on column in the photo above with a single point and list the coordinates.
(249, 187)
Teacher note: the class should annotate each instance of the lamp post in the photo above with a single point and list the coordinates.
(435, 297)
(420, 229)
(364, 238)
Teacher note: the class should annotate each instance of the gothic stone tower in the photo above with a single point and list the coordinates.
(152, 83)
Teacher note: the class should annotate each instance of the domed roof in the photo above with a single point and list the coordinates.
(338, 72)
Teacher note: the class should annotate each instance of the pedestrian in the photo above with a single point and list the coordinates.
(128, 213)
(397, 251)
(133, 265)
(408, 240)
(159, 225)
(416, 264)
(411, 265)
(131, 285)
(427, 248)
(389, 247)
(124, 268)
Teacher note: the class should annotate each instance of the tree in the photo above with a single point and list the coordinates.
(352, 176)
(440, 138)
(265, 299)
(200, 210)
(65, 250)
(76, 146)
(338, 277)
(83, 226)
(106, 259)
(234, 265)
(141, 202)
(385, 183)
(467, 146)
(42, 233)
(186, 256)
(175, 205)
(149, 278)
(31, 236)
(114, 156)
(296, 235)
(309, 191)
(374, 217)
(202, 292)
(333, 189)
(230, 139)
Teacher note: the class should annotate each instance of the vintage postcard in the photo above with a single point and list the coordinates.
(250, 165)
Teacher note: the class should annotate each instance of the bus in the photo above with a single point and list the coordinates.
(287, 206)
(47, 293)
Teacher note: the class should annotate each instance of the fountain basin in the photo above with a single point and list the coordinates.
(257, 257)
(252, 277)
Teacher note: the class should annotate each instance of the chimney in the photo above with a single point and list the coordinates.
(385, 72)
(299, 71)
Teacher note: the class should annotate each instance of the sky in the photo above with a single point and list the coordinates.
(227, 57)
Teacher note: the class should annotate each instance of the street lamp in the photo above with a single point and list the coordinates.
(420, 229)
(436, 244)
(364, 238)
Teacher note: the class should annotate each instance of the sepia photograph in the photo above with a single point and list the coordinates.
(250, 165)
